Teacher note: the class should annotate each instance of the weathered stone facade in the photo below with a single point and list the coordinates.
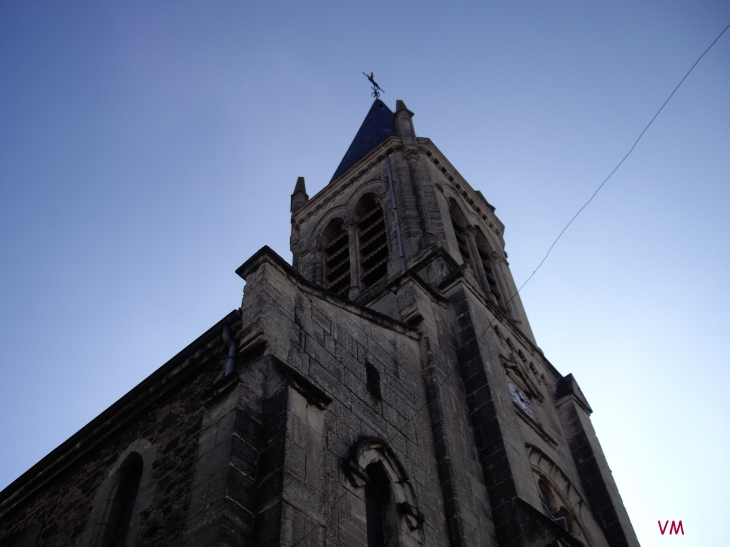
(386, 389)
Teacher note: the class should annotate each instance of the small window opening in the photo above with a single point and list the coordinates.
(373, 380)
(336, 258)
(372, 239)
(377, 498)
(120, 518)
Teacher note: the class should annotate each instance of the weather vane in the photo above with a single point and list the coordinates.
(376, 88)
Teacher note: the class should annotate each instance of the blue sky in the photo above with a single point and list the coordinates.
(147, 149)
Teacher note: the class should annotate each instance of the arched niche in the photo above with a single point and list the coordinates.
(373, 466)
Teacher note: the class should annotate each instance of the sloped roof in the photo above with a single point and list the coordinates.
(377, 126)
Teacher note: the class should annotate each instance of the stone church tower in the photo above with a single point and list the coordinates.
(384, 390)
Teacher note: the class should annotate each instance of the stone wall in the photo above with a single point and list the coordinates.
(56, 499)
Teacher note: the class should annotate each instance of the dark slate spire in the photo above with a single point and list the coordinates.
(378, 126)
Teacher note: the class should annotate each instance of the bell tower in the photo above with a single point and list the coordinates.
(399, 231)
(385, 390)
(396, 204)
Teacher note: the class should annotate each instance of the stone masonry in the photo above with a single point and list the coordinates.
(384, 389)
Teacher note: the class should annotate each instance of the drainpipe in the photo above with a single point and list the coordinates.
(228, 339)
(397, 222)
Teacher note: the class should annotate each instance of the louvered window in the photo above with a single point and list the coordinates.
(484, 256)
(373, 241)
(336, 258)
(458, 222)
(461, 240)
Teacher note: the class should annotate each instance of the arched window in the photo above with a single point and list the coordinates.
(545, 498)
(560, 501)
(377, 498)
(458, 222)
(120, 515)
(391, 511)
(336, 257)
(372, 240)
(485, 256)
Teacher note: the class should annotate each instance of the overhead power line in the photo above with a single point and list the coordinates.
(619, 163)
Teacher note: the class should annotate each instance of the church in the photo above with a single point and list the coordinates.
(382, 390)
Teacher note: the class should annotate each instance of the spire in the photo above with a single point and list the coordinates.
(299, 197)
(377, 126)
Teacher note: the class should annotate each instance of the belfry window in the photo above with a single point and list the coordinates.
(120, 516)
(336, 245)
(372, 241)
(485, 256)
(458, 222)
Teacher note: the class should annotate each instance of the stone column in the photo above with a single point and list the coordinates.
(403, 122)
(412, 157)
(319, 265)
(354, 291)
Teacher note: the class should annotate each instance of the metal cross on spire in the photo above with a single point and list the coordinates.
(376, 88)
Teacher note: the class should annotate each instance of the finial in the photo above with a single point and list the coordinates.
(299, 197)
(376, 88)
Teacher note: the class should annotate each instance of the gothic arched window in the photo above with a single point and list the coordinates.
(336, 257)
(391, 511)
(122, 509)
(372, 240)
(458, 222)
(377, 501)
(485, 256)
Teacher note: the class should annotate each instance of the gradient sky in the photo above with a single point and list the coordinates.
(148, 149)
